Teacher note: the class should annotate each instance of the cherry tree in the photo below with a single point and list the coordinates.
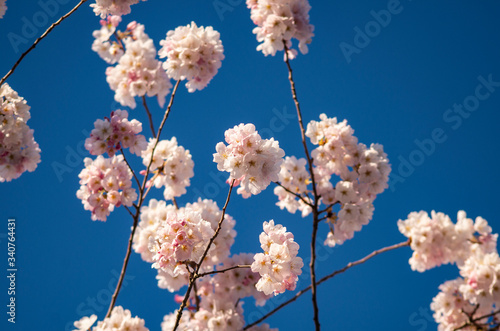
(333, 184)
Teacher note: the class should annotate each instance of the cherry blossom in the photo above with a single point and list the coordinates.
(105, 183)
(110, 135)
(278, 21)
(138, 72)
(193, 53)
(279, 266)
(19, 151)
(113, 7)
(253, 161)
(172, 165)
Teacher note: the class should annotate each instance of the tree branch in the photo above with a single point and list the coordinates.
(196, 274)
(312, 264)
(56, 23)
(333, 274)
(142, 195)
(149, 116)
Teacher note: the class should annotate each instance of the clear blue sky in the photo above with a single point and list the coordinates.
(396, 89)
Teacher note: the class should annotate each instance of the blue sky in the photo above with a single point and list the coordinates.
(396, 89)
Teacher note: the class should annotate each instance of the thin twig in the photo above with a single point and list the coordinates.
(223, 270)
(198, 266)
(175, 203)
(296, 194)
(475, 320)
(130, 167)
(142, 195)
(125, 263)
(40, 39)
(149, 116)
(333, 274)
(312, 264)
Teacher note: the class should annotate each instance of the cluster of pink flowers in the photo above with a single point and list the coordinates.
(138, 72)
(109, 51)
(279, 266)
(193, 53)
(18, 150)
(120, 319)
(364, 173)
(113, 7)
(110, 135)
(235, 284)
(155, 214)
(220, 306)
(3, 8)
(294, 177)
(279, 21)
(183, 237)
(172, 165)
(252, 161)
(105, 184)
(436, 240)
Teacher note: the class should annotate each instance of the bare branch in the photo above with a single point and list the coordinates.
(56, 23)
(333, 274)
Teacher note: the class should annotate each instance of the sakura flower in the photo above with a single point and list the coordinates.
(109, 51)
(3, 8)
(85, 323)
(138, 72)
(105, 184)
(121, 319)
(193, 53)
(278, 21)
(18, 150)
(279, 266)
(183, 237)
(172, 165)
(253, 161)
(110, 135)
(436, 240)
(113, 7)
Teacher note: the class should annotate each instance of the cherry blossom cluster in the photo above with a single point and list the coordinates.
(469, 244)
(436, 240)
(113, 7)
(152, 216)
(364, 173)
(293, 177)
(182, 238)
(193, 53)
(172, 165)
(3, 8)
(278, 21)
(219, 299)
(105, 184)
(228, 318)
(234, 284)
(138, 72)
(110, 135)
(18, 150)
(120, 319)
(252, 161)
(155, 214)
(279, 266)
(109, 51)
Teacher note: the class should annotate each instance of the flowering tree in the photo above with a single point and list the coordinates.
(333, 184)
